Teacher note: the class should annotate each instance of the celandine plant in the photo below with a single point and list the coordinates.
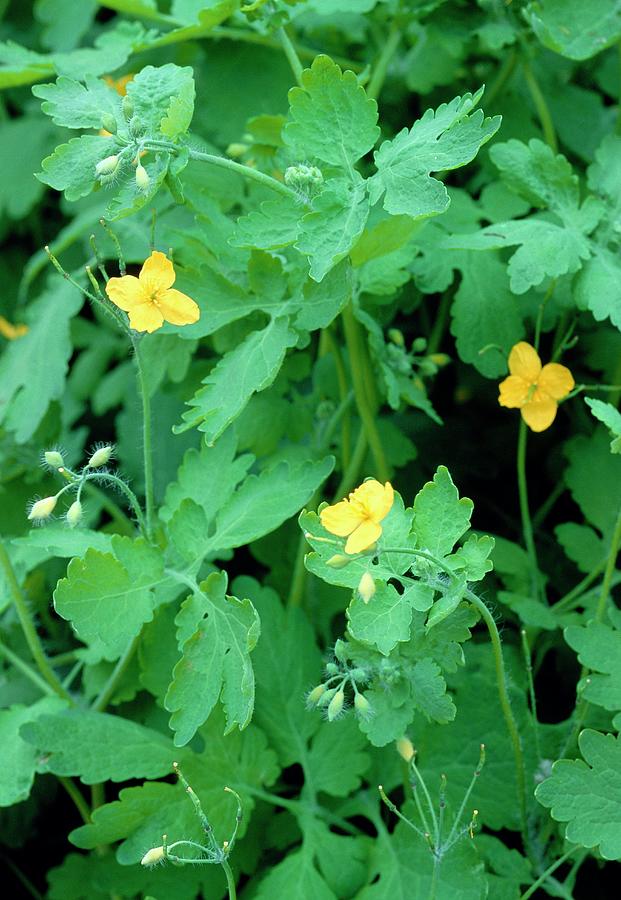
(281, 295)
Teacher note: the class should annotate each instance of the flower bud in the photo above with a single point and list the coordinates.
(326, 697)
(236, 150)
(362, 706)
(42, 509)
(142, 178)
(107, 166)
(74, 514)
(335, 705)
(366, 587)
(153, 856)
(100, 457)
(419, 345)
(315, 695)
(128, 107)
(108, 122)
(338, 561)
(396, 337)
(332, 668)
(405, 748)
(440, 359)
(54, 459)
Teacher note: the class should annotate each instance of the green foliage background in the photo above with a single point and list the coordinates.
(371, 201)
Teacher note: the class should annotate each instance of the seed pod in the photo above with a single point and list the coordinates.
(100, 457)
(335, 706)
(42, 509)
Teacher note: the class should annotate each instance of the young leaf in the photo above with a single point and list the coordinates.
(108, 596)
(440, 517)
(587, 794)
(599, 648)
(216, 634)
(163, 99)
(71, 167)
(611, 417)
(574, 29)
(75, 105)
(330, 117)
(446, 138)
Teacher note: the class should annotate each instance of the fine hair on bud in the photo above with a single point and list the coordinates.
(153, 856)
(42, 509)
(101, 456)
(142, 178)
(107, 166)
(366, 587)
(53, 459)
(74, 514)
(335, 706)
(405, 749)
(315, 695)
(362, 706)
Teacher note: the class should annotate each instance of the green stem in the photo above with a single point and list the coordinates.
(544, 875)
(358, 362)
(23, 879)
(107, 692)
(341, 377)
(440, 323)
(125, 489)
(230, 880)
(26, 670)
(542, 513)
(147, 449)
(567, 601)
(350, 475)
(543, 112)
(531, 691)
(527, 527)
(30, 632)
(504, 73)
(434, 878)
(115, 512)
(244, 171)
(380, 69)
(78, 800)
(503, 694)
(540, 312)
(291, 54)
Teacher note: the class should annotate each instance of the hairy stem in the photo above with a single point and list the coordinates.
(527, 527)
(30, 632)
(544, 875)
(291, 54)
(147, 448)
(244, 171)
(230, 880)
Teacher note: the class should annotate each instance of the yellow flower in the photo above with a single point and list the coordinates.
(11, 332)
(359, 517)
(119, 84)
(534, 389)
(150, 299)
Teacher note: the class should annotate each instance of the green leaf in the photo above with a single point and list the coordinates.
(446, 138)
(598, 286)
(98, 747)
(611, 417)
(472, 557)
(26, 386)
(163, 99)
(323, 302)
(581, 544)
(295, 878)
(336, 761)
(75, 105)
(440, 517)
(206, 12)
(587, 794)
(216, 635)
(327, 234)
(107, 597)
(24, 141)
(429, 692)
(599, 649)
(383, 621)
(330, 117)
(275, 224)
(18, 760)
(575, 29)
(250, 367)
(71, 167)
(598, 498)
(143, 814)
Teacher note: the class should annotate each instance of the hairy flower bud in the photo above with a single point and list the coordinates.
(100, 457)
(42, 509)
(127, 106)
(362, 706)
(142, 178)
(405, 748)
(108, 122)
(366, 587)
(236, 150)
(74, 514)
(396, 337)
(54, 459)
(338, 561)
(153, 856)
(107, 166)
(315, 695)
(335, 705)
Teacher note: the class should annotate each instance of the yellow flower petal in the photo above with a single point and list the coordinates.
(513, 392)
(126, 292)
(340, 519)
(374, 498)
(362, 538)
(524, 362)
(145, 317)
(540, 412)
(157, 273)
(178, 308)
(11, 332)
(556, 380)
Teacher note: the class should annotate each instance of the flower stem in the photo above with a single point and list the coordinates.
(30, 633)
(527, 527)
(503, 694)
(536, 884)
(107, 692)
(358, 362)
(381, 66)
(543, 112)
(291, 54)
(244, 171)
(567, 602)
(78, 800)
(147, 449)
(26, 670)
(125, 489)
(230, 880)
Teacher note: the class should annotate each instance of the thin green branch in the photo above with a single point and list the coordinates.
(545, 875)
(147, 447)
(541, 106)
(107, 692)
(26, 670)
(291, 54)
(568, 600)
(245, 172)
(380, 70)
(30, 632)
(527, 527)
(78, 800)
